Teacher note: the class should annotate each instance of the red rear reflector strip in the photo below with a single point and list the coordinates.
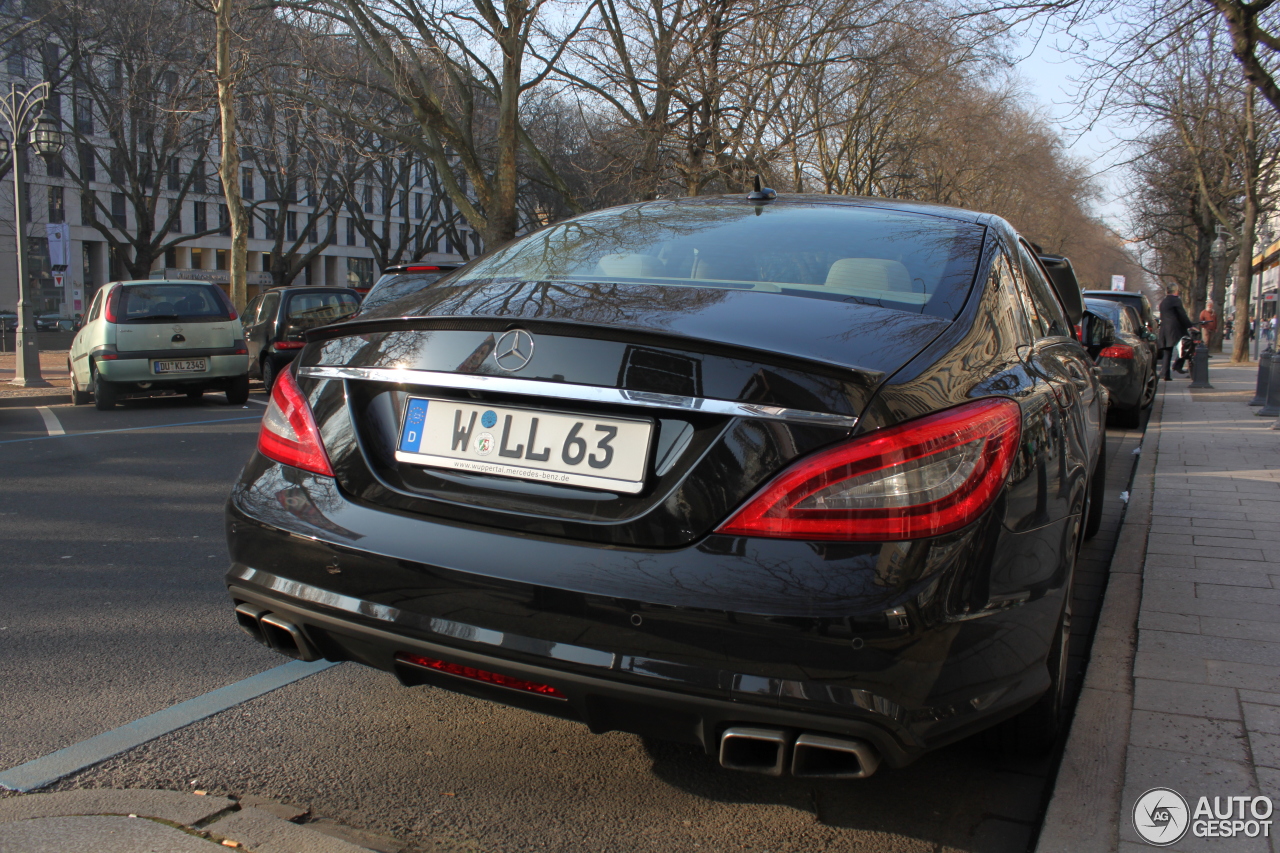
(420, 269)
(481, 675)
(1118, 351)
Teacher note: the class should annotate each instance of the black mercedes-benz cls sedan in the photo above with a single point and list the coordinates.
(798, 479)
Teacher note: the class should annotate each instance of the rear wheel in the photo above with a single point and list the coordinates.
(1034, 731)
(238, 391)
(78, 397)
(104, 392)
(1149, 391)
(269, 374)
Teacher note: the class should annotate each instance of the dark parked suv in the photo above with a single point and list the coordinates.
(797, 479)
(275, 321)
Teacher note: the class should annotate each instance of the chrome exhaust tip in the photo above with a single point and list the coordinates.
(247, 616)
(755, 750)
(286, 638)
(827, 757)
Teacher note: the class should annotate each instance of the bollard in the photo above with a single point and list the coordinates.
(1200, 367)
(1272, 408)
(1264, 375)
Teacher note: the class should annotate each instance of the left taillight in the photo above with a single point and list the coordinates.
(921, 478)
(1117, 351)
(288, 433)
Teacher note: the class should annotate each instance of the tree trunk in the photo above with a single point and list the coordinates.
(229, 161)
(1244, 262)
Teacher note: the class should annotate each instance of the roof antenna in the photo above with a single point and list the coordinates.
(761, 193)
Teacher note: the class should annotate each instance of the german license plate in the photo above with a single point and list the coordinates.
(530, 444)
(180, 365)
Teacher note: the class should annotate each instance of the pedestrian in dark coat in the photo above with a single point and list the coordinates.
(1174, 323)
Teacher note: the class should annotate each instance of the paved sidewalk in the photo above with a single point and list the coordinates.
(1189, 699)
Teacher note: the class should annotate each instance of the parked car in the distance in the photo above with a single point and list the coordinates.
(797, 479)
(1149, 320)
(275, 323)
(1126, 367)
(402, 280)
(142, 338)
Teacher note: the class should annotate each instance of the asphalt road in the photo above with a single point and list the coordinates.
(113, 608)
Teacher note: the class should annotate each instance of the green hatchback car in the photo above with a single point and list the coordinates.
(158, 336)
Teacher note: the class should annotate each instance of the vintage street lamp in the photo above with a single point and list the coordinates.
(20, 109)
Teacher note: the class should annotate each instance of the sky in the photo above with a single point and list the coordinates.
(1047, 71)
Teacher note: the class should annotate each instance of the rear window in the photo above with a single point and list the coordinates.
(906, 261)
(392, 286)
(308, 310)
(169, 302)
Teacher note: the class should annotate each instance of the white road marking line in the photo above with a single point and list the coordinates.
(52, 767)
(51, 422)
(259, 402)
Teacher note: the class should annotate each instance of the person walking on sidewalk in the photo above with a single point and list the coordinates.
(1208, 323)
(1174, 323)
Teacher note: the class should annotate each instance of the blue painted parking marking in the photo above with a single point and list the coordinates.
(414, 419)
(52, 767)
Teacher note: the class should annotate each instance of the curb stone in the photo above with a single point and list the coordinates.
(1084, 809)
(100, 819)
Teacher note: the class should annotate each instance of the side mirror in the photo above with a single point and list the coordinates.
(1098, 333)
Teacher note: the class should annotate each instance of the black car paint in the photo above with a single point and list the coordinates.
(1126, 380)
(262, 332)
(909, 644)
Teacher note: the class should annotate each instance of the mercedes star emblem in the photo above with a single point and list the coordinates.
(514, 350)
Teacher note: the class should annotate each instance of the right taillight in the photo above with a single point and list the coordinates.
(921, 478)
(1117, 351)
(288, 433)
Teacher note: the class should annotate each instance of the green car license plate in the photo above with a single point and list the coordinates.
(180, 365)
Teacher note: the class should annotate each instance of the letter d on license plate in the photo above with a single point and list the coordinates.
(529, 444)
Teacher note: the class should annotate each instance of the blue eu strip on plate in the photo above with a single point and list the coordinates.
(414, 418)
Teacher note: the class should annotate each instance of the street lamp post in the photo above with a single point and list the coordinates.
(19, 109)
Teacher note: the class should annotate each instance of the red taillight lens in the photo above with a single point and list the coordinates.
(1117, 351)
(113, 300)
(921, 478)
(290, 344)
(420, 269)
(480, 675)
(289, 433)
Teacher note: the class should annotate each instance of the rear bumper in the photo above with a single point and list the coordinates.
(675, 644)
(130, 369)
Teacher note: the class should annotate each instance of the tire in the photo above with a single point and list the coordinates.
(104, 392)
(1035, 731)
(78, 397)
(1097, 492)
(269, 374)
(1149, 392)
(195, 394)
(238, 391)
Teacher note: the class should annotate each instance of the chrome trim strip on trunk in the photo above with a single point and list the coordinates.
(568, 391)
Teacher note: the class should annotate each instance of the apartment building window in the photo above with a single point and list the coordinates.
(200, 214)
(84, 113)
(175, 173)
(351, 231)
(307, 192)
(54, 167)
(118, 217)
(88, 164)
(116, 167)
(246, 184)
(291, 226)
(404, 233)
(291, 190)
(17, 64)
(57, 205)
(368, 199)
(269, 221)
(311, 229)
(224, 220)
(175, 210)
(417, 205)
(87, 211)
(200, 183)
(332, 237)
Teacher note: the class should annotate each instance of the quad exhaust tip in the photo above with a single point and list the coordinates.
(273, 630)
(810, 756)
